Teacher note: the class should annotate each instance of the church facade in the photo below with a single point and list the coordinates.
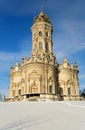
(40, 76)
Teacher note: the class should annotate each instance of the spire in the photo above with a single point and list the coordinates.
(41, 8)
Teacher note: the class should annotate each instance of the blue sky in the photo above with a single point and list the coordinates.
(16, 18)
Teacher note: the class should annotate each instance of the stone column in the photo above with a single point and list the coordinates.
(66, 88)
(40, 80)
(26, 89)
(28, 85)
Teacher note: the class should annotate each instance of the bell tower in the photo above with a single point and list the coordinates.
(41, 34)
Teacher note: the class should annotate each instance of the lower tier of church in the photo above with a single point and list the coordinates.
(44, 97)
(40, 81)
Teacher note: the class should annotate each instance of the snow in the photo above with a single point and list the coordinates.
(42, 115)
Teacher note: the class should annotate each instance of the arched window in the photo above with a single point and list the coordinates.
(40, 57)
(50, 88)
(47, 34)
(69, 91)
(40, 46)
(46, 46)
(19, 91)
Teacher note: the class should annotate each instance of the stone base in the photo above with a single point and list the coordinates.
(34, 97)
(71, 98)
(49, 96)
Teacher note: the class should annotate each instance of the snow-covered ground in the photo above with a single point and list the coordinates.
(45, 115)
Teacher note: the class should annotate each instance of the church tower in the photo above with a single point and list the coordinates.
(42, 45)
(42, 34)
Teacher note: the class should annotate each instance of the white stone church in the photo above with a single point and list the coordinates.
(41, 77)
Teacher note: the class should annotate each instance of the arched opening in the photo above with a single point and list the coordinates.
(40, 33)
(69, 91)
(46, 46)
(40, 45)
(61, 91)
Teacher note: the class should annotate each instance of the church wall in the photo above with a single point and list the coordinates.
(45, 73)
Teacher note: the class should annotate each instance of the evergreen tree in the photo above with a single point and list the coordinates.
(82, 93)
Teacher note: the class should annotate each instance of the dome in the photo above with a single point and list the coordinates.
(41, 18)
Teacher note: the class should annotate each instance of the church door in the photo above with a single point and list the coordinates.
(34, 89)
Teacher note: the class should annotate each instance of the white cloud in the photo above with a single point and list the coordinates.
(4, 91)
(8, 59)
(69, 38)
(25, 46)
(82, 76)
(4, 56)
(82, 86)
(4, 84)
